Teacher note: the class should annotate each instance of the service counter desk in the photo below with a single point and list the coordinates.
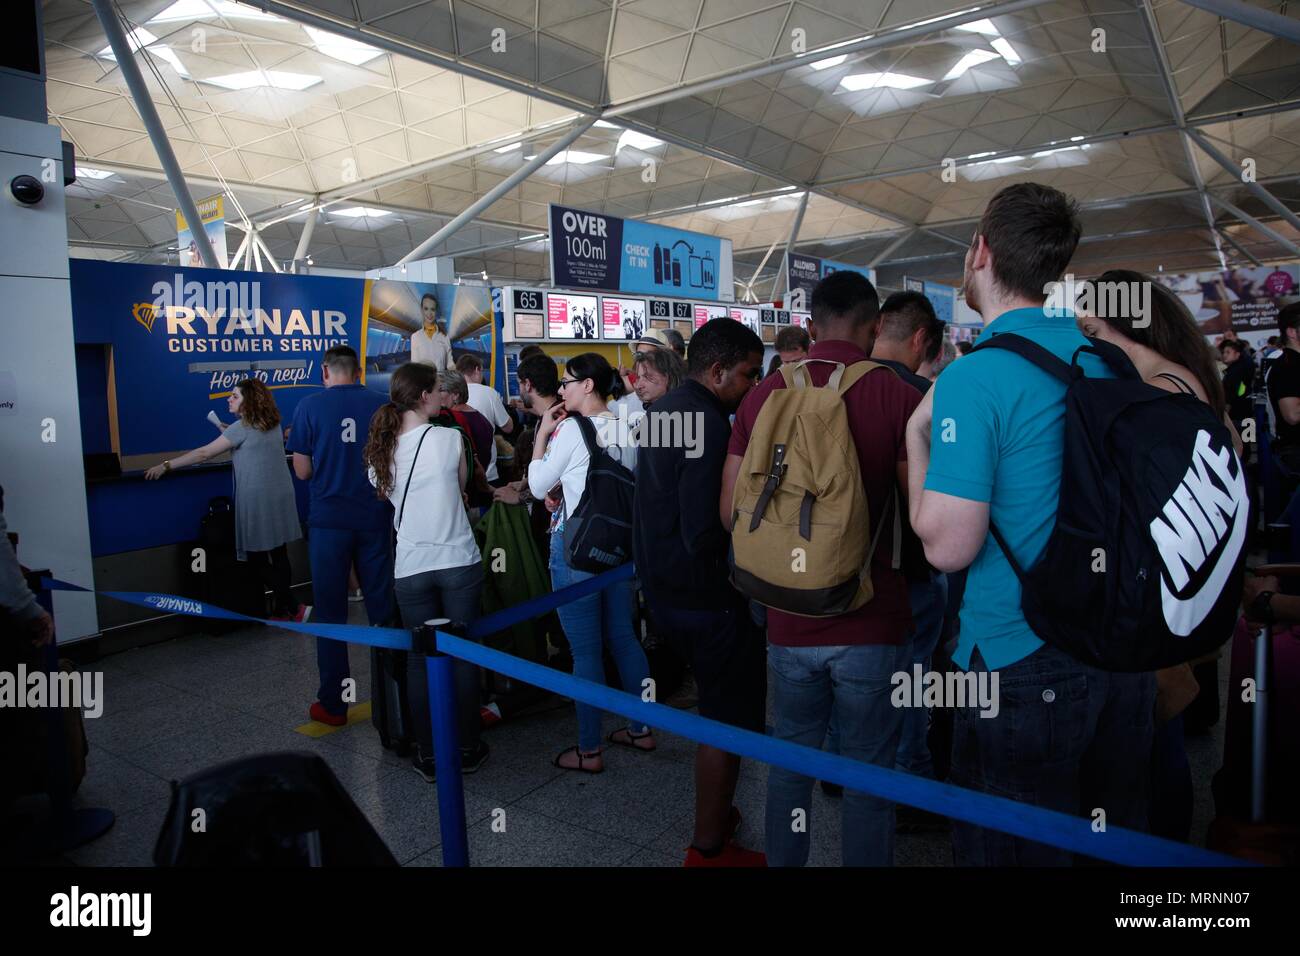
(143, 535)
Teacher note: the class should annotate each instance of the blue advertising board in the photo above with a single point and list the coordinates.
(944, 300)
(591, 250)
(804, 272)
(181, 338)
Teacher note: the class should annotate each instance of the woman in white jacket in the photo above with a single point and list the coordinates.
(560, 458)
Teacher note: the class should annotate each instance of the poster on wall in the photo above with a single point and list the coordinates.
(943, 298)
(804, 272)
(213, 212)
(747, 317)
(622, 318)
(593, 251)
(703, 313)
(1238, 300)
(570, 316)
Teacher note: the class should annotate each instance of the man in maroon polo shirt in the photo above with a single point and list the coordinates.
(841, 665)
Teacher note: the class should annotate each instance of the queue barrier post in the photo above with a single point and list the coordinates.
(440, 673)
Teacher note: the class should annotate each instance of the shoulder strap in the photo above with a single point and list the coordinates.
(407, 490)
(1182, 386)
(1030, 351)
(842, 377)
(588, 431)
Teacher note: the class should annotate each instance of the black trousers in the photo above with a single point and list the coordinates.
(273, 571)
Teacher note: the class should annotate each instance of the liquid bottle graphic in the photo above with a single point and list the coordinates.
(658, 267)
(710, 278)
(677, 271)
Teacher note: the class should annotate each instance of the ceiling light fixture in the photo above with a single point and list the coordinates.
(508, 149)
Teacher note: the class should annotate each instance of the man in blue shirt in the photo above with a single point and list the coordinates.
(347, 523)
(987, 443)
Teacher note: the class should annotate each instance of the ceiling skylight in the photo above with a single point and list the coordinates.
(1007, 51)
(892, 81)
(207, 9)
(140, 37)
(88, 172)
(508, 149)
(576, 156)
(829, 62)
(342, 48)
(274, 79)
(973, 58)
(637, 141)
(357, 212)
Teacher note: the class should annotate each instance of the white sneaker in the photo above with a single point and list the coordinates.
(356, 597)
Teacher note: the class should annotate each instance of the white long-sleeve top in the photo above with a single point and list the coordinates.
(566, 459)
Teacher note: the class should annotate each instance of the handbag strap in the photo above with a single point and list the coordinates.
(410, 474)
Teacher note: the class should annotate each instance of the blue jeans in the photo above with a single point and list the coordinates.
(589, 623)
(928, 600)
(452, 593)
(332, 552)
(1067, 737)
(852, 683)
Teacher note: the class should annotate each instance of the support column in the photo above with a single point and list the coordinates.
(496, 192)
(157, 135)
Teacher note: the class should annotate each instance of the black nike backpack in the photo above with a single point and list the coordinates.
(598, 533)
(1144, 567)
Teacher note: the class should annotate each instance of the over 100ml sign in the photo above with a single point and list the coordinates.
(591, 250)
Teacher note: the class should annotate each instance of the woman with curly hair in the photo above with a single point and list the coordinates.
(266, 514)
(422, 468)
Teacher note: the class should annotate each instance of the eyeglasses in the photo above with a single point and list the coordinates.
(568, 381)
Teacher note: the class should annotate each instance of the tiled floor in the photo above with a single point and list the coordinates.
(174, 708)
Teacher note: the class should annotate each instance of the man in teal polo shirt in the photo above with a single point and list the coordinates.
(988, 442)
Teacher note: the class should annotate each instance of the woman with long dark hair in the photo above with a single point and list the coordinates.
(266, 513)
(1169, 351)
(560, 459)
(421, 469)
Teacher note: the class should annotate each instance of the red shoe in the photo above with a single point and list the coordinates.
(323, 716)
(730, 855)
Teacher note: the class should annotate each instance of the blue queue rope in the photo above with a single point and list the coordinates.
(1114, 844)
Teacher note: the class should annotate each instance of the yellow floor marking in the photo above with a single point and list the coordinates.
(356, 714)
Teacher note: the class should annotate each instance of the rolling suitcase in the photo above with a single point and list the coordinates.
(390, 707)
(225, 581)
(1256, 790)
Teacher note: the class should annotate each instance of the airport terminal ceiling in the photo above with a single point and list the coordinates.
(387, 118)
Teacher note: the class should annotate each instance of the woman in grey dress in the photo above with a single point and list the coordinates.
(266, 514)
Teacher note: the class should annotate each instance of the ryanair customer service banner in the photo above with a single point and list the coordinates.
(180, 338)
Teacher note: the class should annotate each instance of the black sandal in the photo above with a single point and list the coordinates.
(581, 758)
(632, 738)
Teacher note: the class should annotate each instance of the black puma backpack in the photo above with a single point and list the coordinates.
(598, 532)
(1144, 567)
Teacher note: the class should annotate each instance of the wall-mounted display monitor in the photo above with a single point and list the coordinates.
(622, 318)
(524, 313)
(703, 313)
(746, 316)
(800, 318)
(572, 316)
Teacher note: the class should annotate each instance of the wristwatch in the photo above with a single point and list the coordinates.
(167, 464)
(1261, 609)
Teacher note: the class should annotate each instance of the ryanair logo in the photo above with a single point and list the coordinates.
(168, 602)
(1199, 534)
(145, 314)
